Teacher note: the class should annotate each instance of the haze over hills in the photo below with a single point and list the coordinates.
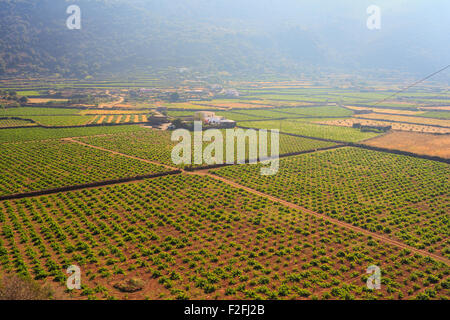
(239, 37)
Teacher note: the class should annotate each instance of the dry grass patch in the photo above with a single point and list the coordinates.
(419, 143)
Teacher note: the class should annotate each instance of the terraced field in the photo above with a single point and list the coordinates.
(62, 121)
(8, 123)
(30, 134)
(167, 233)
(119, 118)
(37, 111)
(403, 197)
(397, 126)
(436, 114)
(37, 166)
(157, 146)
(324, 111)
(308, 232)
(308, 129)
(406, 119)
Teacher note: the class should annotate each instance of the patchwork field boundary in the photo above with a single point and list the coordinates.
(86, 185)
(290, 118)
(39, 125)
(409, 115)
(20, 119)
(404, 122)
(206, 172)
(302, 136)
(399, 152)
(284, 155)
(364, 146)
(332, 220)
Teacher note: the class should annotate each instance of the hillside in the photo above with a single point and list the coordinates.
(250, 37)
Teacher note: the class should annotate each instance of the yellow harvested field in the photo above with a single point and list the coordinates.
(39, 100)
(443, 108)
(283, 103)
(107, 112)
(419, 143)
(110, 119)
(237, 105)
(127, 119)
(193, 106)
(395, 125)
(419, 120)
(102, 118)
(119, 118)
(125, 106)
(388, 111)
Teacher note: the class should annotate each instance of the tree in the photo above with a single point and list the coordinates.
(23, 100)
(178, 123)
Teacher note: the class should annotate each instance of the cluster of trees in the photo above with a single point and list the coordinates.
(10, 98)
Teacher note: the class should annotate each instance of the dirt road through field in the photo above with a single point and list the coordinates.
(324, 217)
(285, 203)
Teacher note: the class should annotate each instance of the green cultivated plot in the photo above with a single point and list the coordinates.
(157, 146)
(238, 116)
(61, 121)
(312, 130)
(319, 111)
(268, 114)
(238, 246)
(27, 134)
(5, 123)
(31, 111)
(436, 114)
(36, 166)
(398, 196)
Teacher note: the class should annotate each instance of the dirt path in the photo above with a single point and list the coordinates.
(325, 217)
(112, 104)
(121, 154)
(285, 203)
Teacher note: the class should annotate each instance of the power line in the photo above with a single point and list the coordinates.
(410, 86)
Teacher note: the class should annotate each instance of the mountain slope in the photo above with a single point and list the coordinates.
(223, 35)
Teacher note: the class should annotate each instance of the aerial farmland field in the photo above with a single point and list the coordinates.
(76, 196)
(156, 145)
(309, 129)
(240, 247)
(225, 159)
(397, 196)
(34, 166)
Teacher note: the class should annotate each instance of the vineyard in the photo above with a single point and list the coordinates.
(61, 121)
(30, 134)
(119, 118)
(394, 125)
(157, 146)
(8, 123)
(168, 232)
(398, 196)
(93, 185)
(308, 129)
(406, 119)
(44, 165)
